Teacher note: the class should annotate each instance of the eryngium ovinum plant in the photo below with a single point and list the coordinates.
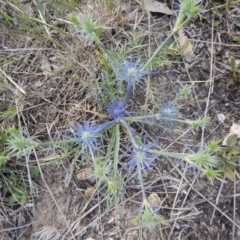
(86, 137)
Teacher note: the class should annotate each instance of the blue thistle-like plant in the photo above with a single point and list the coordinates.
(168, 112)
(140, 154)
(117, 110)
(87, 134)
(131, 73)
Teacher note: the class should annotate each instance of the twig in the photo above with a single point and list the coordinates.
(217, 199)
(11, 80)
(211, 84)
(37, 3)
(234, 207)
(143, 13)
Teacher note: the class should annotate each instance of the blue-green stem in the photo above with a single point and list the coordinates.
(92, 155)
(128, 94)
(153, 116)
(159, 49)
(124, 123)
(185, 157)
(43, 144)
(139, 118)
(109, 54)
(171, 154)
(139, 169)
(175, 29)
(116, 150)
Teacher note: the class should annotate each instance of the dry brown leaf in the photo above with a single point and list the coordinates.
(237, 62)
(89, 192)
(235, 129)
(188, 52)
(46, 66)
(38, 83)
(84, 174)
(154, 200)
(154, 6)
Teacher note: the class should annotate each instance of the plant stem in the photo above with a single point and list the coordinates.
(136, 118)
(154, 116)
(43, 144)
(109, 54)
(92, 155)
(128, 94)
(129, 132)
(159, 49)
(171, 154)
(141, 180)
(116, 151)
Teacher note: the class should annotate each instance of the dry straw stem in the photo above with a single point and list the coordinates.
(13, 82)
(39, 8)
(211, 83)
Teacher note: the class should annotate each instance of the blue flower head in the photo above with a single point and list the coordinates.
(117, 110)
(141, 154)
(131, 73)
(168, 112)
(87, 134)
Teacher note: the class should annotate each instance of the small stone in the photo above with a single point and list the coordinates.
(89, 192)
(84, 174)
(205, 35)
(201, 45)
(177, 226)
(154, 200)
(206, 66)
(221, 117)
(237, 62)
(227, 54)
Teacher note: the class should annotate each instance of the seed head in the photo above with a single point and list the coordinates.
(148, 218)
(202, 160)
(20, 144)
(89, 28)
